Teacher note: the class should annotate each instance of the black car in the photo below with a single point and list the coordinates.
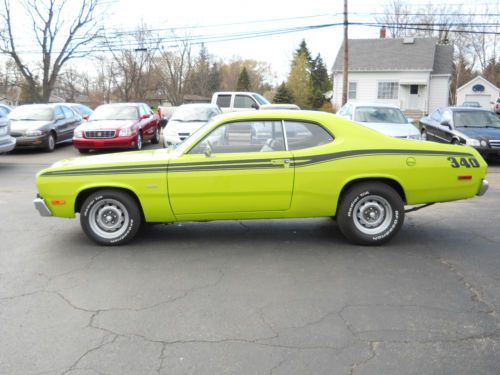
(474, 127)
(43, 125)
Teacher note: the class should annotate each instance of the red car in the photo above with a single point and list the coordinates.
(120, 125)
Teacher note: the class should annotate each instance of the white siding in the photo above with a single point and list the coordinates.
(490, 91)
(440, 92)
(367, 86)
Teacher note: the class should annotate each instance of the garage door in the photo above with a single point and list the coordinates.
(484, 99)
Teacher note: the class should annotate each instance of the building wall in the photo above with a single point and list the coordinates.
(367, 87)
(439, 92)
(490, 93)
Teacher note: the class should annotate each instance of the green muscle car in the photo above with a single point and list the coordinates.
(262, 165)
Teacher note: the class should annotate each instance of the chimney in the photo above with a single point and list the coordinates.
(382, 32)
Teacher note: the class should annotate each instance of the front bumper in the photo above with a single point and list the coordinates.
(7, 144)
(96, 143)
(484, 188)
(42, 207)
(31, 142)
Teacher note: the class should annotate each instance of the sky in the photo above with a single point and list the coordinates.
(229, 17)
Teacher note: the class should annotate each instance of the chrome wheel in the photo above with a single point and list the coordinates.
(372, 215)
(109, 218)
(138, 141)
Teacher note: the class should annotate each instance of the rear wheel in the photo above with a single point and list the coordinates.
(110, 217)
(370, 213)
(156, 137)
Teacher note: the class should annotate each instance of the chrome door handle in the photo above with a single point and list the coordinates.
(281, 162)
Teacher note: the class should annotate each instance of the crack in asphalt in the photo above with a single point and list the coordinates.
(373, 350)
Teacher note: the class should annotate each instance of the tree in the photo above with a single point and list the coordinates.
(283, 95)
(299, 79)
(200, 76)
(320, 82)
(304, 50)
(396, 18)
(243, 83)
(59, 32)
(214, 77)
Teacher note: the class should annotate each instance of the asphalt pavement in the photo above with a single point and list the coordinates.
(247, 297)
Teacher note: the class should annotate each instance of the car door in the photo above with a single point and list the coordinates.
(149, 124)
(446, 126)
(240, 167)
(61, 123)
(72, 121)
(432, 124)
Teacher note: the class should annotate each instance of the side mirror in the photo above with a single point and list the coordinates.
(59, 117)
(207, 151)
(255, 106)
(86, 117)
(145, 116)
(446, 123)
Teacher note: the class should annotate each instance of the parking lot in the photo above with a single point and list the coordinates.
(247, 297)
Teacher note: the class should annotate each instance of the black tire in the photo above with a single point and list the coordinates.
(138, 142)
(83, 150)
(110, 217)
(156, 137)
(360, 209)
(50, 146)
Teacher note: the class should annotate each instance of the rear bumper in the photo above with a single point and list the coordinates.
(484, 188)
(117, 142)
(41, 207)
(7, 144)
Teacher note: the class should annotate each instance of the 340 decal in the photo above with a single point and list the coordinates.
(463, 162)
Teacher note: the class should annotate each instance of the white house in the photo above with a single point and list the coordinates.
(412, 73)
(478, 90)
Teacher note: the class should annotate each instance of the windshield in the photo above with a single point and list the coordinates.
(115, 112)
(475, 119)
(29, 113)
(260, 99)
(379, 114)
(191, 113)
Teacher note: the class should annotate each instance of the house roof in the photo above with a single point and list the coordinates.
(424, 54)
(479, 79)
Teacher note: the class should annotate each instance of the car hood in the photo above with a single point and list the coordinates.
(393, 130)
(186, 127)
(105, 124)
(20, 125)
(115, 159)
(484, 133)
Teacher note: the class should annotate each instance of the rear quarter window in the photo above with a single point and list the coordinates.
(302, 135)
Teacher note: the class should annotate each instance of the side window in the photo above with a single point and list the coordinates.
(68, 113)
(58, 112)
(147, 109)
(436, 115)
(342, 111)
(304, 135)
(3, 112)
(243, 101)
(224, 101)
(447, 116)
(254, 136)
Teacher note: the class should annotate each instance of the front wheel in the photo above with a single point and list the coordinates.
(156, 137)
(370, 213)
(110, 217)
(138, 141)
(51, 142)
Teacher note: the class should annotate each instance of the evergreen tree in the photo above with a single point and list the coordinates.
(320, 82)
(214, 78)
(304, 50)
(299, 79)
(243, 83)
(283, 95)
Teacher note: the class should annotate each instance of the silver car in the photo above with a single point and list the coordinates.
(7, 143)
(384, 118)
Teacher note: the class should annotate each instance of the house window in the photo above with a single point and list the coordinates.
(387, 90)
(352, 90)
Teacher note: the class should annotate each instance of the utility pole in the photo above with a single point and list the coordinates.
(346, 58)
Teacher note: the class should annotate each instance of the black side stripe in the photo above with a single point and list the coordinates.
(241, 164)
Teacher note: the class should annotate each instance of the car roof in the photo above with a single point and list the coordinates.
(202, 105)
(469, 109)
(371, 104)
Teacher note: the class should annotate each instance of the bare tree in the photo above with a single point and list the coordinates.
(175, 66)
(131, 66)
(396, 18)
(60, 34)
